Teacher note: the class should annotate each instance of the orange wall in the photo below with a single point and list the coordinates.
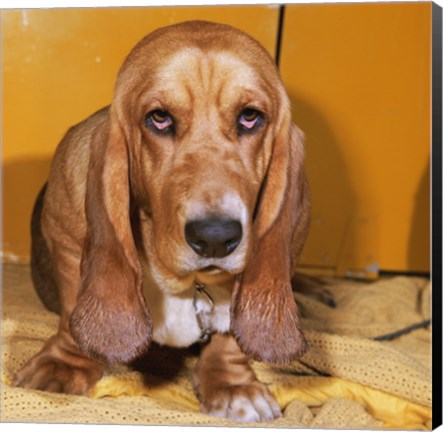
(359, 79)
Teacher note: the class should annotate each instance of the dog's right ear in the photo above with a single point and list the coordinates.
(111, 320)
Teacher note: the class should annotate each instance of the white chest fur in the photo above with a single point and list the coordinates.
(175, 321)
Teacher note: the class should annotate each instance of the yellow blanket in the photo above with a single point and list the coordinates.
(346, 380)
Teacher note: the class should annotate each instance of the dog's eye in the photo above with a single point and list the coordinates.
(160, 121)
(249, 119)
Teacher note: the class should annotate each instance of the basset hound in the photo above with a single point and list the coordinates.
(176, 215)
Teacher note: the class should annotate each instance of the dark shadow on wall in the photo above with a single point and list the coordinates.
(333, 204)
(22, 180)
(419, 255)
(333, 200)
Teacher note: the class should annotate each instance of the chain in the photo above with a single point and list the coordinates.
(204, 317)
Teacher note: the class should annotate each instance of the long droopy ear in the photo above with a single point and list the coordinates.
(264, 316)
(110, 321)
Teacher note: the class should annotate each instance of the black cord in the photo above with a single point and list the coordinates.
(406, 330)
(386, 337)
(281, 18)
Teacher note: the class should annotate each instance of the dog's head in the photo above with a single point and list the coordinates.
(201, 144)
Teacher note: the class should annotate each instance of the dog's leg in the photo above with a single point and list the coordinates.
(60, 366)
(227, 386)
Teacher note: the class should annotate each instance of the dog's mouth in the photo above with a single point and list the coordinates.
(211, 269)
(213, 275)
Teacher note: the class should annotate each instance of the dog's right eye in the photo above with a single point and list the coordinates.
(160, 121)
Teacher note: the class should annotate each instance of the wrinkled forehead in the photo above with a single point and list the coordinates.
(207, 64)
(220, 75)
(188, 67)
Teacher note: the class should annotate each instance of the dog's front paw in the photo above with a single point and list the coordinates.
(242, 403)
(59, 370)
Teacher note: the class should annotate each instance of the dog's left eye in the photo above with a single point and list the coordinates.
(160, 121)
(249, 119)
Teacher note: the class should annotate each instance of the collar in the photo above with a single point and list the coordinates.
(204, 310)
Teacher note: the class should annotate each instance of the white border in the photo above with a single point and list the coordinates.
(18, 4)
(24, 4)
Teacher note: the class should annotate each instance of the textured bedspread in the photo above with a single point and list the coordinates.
(346, 380)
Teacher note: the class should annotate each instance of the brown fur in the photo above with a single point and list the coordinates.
(222, 373)
(119, 194)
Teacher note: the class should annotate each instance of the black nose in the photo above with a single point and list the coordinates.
(213, 237)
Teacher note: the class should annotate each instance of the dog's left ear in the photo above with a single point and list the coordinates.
(264, 316)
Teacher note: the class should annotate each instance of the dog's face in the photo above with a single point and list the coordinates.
(200, 124)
